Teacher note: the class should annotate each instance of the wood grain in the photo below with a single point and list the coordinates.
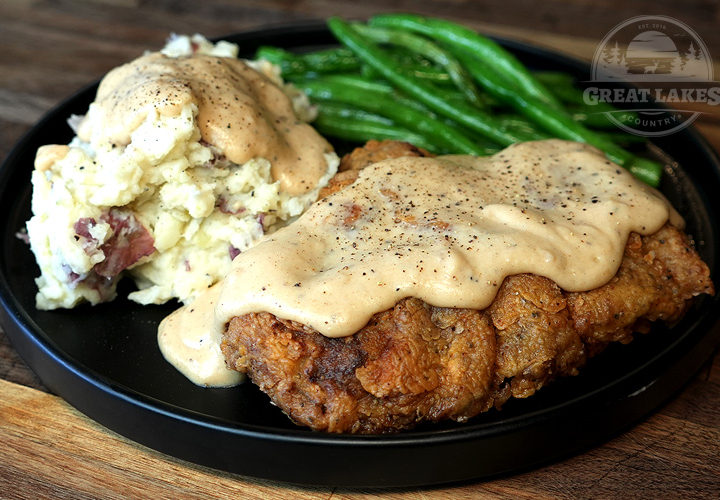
(62, 454)
(59, 453)
(50, 49)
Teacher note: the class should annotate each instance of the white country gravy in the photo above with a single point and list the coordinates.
(446, 230)
(189, 342)
(240, 112)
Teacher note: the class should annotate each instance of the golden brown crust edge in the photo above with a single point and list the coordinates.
(416, 362)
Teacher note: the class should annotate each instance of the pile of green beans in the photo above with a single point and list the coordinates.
(445, 88)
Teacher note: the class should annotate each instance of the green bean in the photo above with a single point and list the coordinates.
(384, 105)
(359, 82)
(354, 124)
(489, 146)
(558, 123)
(441, 114)
(382, 87)
(431, 74)
(337, 110)
(552, 78)
(648, 171)
(504, 63)
(571, 95)
(287, 61)
(592, 119)
(411, 69)
(598, 119)
(331, 60)
(339, 60)
(465, 114)
(340, 110)
(325, 61)
(427, 49)
(562, 85)
(574, 98)
(514, 122)
(452, 96)
(343, 60)
(351, 130)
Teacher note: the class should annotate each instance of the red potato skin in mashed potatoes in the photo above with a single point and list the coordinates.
(130, 242)
(185, 157)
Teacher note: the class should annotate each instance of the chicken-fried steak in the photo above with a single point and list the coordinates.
(416, 362)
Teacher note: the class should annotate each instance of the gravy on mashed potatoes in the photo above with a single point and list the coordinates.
(186, 158)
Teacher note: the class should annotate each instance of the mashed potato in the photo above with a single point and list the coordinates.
(151, 188)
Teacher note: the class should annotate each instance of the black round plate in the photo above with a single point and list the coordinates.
(104, 360)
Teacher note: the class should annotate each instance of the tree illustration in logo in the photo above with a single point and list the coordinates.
(613, 61)
(695, 64)
(677, 65)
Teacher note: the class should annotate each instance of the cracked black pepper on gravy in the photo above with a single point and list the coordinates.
(446, 230)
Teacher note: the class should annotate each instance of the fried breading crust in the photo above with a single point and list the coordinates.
(372, 152)
(415, 362)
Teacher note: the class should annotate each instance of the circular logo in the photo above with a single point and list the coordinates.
(669, 67)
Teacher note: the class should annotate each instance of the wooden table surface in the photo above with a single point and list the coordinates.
(48, 50)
